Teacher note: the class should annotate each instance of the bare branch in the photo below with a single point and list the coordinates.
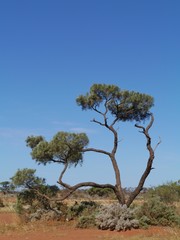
(157, 144)
(151, 123)
(72, 189)
(95, 109)
(96, 150)
(57, 161)
(112, 124)
(143, 129)
(149, 163)
(98, 122)
(61, 176)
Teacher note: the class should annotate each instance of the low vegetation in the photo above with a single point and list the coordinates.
(116, 217)
(154, 212)
(167, 193)
(154, 208)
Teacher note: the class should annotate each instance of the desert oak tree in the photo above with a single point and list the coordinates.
(113, 105)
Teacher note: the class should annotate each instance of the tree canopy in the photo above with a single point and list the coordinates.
(122, 104)
(112, 105)
(26, 178)
(63, 148)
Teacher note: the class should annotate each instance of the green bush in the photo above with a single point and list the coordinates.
(155, 212)
(31, 203)
(167, 193)
(83, 208)
(84, 213)
(86, 221)
(35, 200)
(100, 192)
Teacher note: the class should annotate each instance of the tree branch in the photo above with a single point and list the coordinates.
(98, 122)
(149, 163)
(157, 144)
(72, 189)
(38, 192)
(95, 109)
(57, 161)
(96, 150)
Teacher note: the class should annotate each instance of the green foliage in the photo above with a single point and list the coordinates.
(32, 141)
(123, 105)
(87, 221)
(64, 147)
(155, 212)
(29, 202)
(34, 192)
(84, 213)
(167, 193)
(31, 197)
(25, 178)
(100, 192)
(6, 187)
(85, 207)
(49, 190)
(19, 207)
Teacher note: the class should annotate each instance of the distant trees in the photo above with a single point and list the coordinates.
(113, 105)
(6, 187)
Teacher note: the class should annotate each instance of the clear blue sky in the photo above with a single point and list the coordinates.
(53, 51)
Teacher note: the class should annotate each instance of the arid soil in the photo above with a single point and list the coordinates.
(11, 228)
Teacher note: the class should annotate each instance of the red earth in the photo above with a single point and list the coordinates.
(11, 228)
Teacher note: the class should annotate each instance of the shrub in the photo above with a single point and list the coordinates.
(155, 212)
(116, 217)
(83, 208)
(168, 193)
(19, 207)
(86, 221)
(101, 192)
(33, 206)
(84, 213)
(35, 200)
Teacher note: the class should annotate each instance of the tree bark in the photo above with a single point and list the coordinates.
(117, 188)
(149, 167)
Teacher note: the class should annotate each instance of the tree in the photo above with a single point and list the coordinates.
(6, 187)
(113, 105)
(33, 188)
(26, 179)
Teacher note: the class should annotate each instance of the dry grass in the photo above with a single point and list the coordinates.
(9, 203)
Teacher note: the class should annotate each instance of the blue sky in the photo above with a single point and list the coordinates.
(53, 51)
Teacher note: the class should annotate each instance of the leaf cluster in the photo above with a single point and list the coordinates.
(26, 178)
(122, 104)
(63, 148)
(100, 192)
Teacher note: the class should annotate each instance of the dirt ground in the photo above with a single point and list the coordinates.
(12, 228)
